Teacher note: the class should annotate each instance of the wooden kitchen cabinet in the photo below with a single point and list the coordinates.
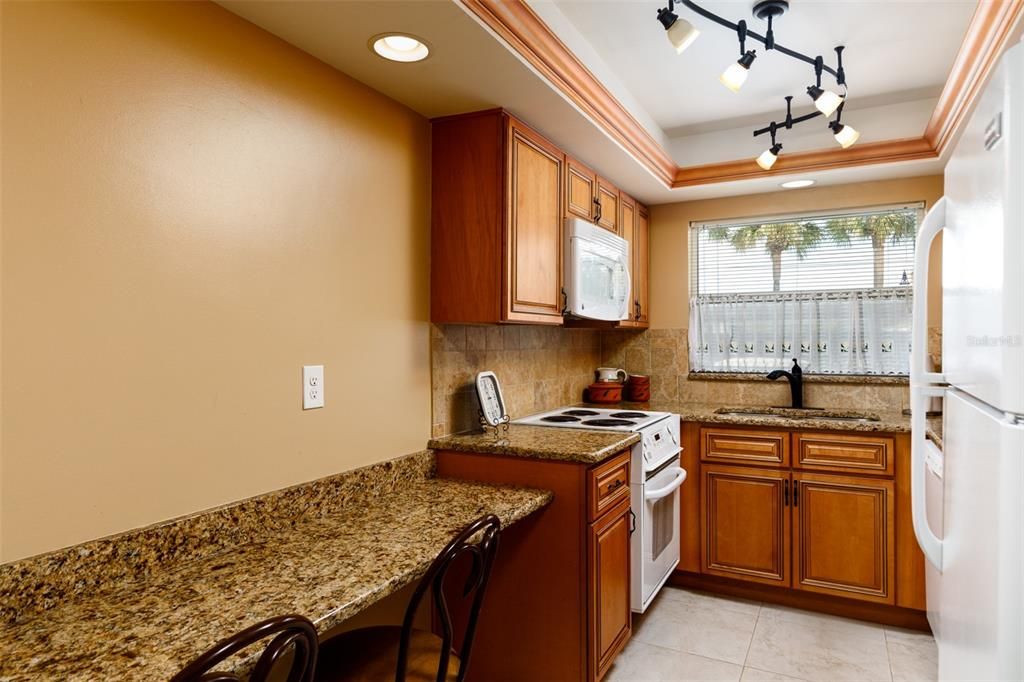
(558, 601)
(844, 536)
(580, 190)
(634, 228)
(812, 519)
(607, 206)
(496, 221)
(609, 614)
(746, 522)
(642, 266)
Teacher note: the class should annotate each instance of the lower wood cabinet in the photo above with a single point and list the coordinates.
(746, 520)
(609, 613)
(844, 536)
(832, 520)
(558, 603)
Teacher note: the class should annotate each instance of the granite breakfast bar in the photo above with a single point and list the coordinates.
(332, 563)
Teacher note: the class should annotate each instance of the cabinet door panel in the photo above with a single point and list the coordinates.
(581, 190)
(745, 521)
(641, 265)
(608, 206)
(627, 226)
(844, 536)
(610, 615)
(535, 219)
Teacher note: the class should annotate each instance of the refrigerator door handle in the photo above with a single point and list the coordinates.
(930, 544)
(931, 226)
(923, 385)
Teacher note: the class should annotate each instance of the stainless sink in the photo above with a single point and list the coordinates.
(789, 413)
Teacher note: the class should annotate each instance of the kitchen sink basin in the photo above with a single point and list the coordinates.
(790, 413)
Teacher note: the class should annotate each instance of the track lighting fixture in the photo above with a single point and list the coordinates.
(845, 134)
(826, 102)
(736, 74)
(769, 157)
(680, 32)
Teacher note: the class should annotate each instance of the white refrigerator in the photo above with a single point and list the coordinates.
(968, 497)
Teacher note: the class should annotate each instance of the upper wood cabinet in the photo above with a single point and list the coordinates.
(590, 197)
(497, 211)
(607, 205)
(580, 190)
(642, 265)
(633, 227)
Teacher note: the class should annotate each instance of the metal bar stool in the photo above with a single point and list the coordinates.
(294, 633)
(405, 654)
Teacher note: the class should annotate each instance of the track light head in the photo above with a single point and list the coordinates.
(845, 134)
(825, 101)
(680, 32)
(736, 74)
(769, 157)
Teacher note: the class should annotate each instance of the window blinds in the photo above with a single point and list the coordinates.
(832, 290)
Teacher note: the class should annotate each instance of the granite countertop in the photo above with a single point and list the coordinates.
(541, 442)
(327, 569)
(888, 421)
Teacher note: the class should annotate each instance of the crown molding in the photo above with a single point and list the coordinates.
(888, 151)
(993, 25)
(517, 24)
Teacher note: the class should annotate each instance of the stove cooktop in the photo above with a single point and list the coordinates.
(596, 419)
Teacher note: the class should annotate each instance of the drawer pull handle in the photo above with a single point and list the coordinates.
(615, 485)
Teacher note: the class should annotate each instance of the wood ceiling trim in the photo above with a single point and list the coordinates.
(888, 151)
(530, 37)
(992, 26)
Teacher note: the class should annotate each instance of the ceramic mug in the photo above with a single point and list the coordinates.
(610, 374)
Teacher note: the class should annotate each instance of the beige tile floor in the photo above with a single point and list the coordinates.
(694, 636)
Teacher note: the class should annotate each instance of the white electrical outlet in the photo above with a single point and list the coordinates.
(312, 386)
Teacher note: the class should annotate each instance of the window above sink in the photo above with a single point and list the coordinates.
(833, 290)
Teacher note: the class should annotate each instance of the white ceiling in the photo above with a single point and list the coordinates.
(892, 48)
(470, 69)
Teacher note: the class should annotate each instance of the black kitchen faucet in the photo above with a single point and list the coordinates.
(796, 382)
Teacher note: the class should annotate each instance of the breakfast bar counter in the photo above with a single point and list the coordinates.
(327, 568)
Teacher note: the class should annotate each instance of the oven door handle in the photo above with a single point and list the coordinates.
(651, 495)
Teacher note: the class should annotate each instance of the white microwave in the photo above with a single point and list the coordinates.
(597, 279)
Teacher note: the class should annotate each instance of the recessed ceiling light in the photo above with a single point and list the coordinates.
(400, 47)
(796, 184)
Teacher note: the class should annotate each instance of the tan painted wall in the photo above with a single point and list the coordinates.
(670, 282)
(192, 210)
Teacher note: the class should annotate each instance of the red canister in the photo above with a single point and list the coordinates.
(638, 388)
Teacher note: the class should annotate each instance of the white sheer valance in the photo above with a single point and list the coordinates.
(857, 331)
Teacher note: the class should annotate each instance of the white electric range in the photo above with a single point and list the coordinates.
(655, 478)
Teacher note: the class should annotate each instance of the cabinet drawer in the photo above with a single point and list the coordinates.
(607, 485)
(742, 446)
(844, 452)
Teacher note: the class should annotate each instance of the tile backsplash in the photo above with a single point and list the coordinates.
(541, 368)
(663, 354)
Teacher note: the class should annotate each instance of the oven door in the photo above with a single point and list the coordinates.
(658, 524)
